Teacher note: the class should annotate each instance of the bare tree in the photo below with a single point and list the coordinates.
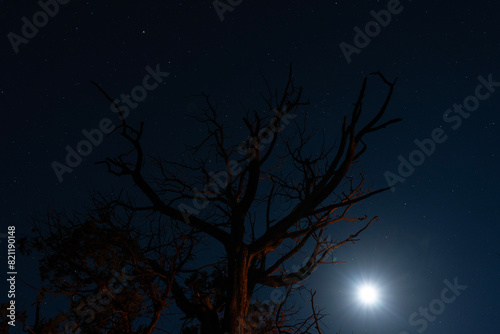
(257, 203)
(114, 267)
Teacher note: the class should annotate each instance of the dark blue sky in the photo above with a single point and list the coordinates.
(441, 224)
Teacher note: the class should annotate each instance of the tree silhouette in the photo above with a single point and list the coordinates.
(207, 232)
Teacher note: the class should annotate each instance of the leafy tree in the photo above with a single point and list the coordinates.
(206, 233)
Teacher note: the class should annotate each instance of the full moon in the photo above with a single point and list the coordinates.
(368, 294)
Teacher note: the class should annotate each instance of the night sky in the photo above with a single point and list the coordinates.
(439, 228)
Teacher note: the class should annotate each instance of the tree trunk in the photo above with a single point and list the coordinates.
(238, 295)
